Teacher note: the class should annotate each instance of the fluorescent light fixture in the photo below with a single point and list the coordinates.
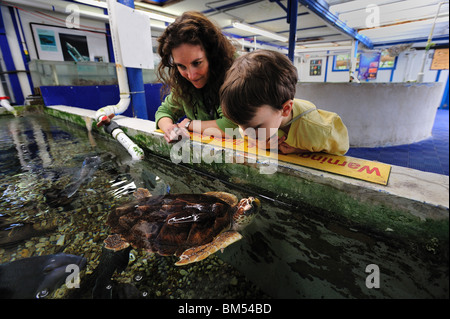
(323, 46)
(317, 44)
(153, 15)
(95, 3)
(255, 30)
(158, 17)
(332, 49)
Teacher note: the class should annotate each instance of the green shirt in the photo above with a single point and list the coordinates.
(169, 109)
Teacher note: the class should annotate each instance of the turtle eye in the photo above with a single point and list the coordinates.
(245, 205)
(252, 206)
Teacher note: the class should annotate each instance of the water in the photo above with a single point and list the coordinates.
(41, 157)
(288, 251)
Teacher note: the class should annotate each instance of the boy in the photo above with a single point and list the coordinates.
(258, 93)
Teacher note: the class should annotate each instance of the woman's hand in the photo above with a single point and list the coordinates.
(172, 132)
(184, 122)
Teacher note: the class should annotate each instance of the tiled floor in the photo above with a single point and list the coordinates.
(430, 155)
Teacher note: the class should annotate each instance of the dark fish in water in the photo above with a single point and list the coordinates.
(12, 233)
(89, 167)
(36, 277)
(59, 196)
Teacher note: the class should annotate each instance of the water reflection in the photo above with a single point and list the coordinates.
(307, 252)
(53, 201)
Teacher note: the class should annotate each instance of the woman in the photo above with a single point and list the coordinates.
(195, 56)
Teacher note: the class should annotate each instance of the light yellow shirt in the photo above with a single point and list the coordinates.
(317, 131)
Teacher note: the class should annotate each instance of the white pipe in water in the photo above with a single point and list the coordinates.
(5, 102)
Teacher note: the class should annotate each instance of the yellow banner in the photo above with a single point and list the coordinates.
(374, 172)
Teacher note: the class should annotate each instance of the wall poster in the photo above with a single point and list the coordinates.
(74, 47)
(47, 40)
(315, 67)
(368, 66)
(440, 60)
(63, 44)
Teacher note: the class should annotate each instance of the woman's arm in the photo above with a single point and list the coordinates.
(198, 126)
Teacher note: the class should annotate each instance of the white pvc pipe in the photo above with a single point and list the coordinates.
(6, 105)
(122, 78)
(118, 108)
(4, 102)
(135, 151)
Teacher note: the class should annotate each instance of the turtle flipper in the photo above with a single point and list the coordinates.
(115, 243)
(228, 198)
(198, 253)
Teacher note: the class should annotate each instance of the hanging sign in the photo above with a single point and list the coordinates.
(440, 60)
(368, 66)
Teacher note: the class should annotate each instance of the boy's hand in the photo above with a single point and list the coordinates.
(281, 139)
(285, 148)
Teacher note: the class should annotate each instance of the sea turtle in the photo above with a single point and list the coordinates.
(190, 226)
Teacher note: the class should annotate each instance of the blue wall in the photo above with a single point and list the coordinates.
(95, 97)
(444, 103)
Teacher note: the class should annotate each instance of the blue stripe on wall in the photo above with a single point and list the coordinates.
(9, 63)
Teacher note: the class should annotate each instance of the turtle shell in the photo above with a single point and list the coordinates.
(170, 224)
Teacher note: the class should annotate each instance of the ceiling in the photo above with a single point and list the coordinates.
(321, 25)
(384, 22)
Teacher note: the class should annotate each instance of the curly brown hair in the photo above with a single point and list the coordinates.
(194, 28)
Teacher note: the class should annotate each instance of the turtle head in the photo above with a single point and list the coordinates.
(246, 209)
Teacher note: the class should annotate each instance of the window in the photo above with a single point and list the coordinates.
(386, 61)
(341, 62)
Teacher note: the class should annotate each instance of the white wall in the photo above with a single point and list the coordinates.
(378, 114)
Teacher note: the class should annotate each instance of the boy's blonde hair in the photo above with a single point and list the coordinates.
(262, 77)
